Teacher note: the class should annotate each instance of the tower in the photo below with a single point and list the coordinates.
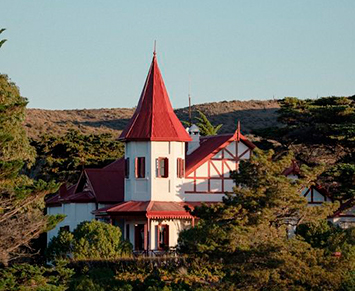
(155, 145)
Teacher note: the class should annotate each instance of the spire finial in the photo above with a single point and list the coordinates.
(155, 48)
(190, 110)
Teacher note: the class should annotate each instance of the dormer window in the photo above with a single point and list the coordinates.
(140, 167)
(180, 168)
(162, 167)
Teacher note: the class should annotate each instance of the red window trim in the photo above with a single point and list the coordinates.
(166, 238)
(180, 171)
(166, 167)
(139, 167)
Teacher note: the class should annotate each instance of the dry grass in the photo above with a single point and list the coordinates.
(252, 114)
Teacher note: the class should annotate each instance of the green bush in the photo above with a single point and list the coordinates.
(35, 278)
(92, 240)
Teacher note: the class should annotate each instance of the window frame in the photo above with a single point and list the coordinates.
(180, 168)
(140, 168)
(159, 173)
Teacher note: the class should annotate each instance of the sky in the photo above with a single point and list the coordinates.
(66, 54)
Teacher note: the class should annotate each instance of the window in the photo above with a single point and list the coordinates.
(162, 167)
(180, 168)
(163, 236)
(140, 167)
(126, 168)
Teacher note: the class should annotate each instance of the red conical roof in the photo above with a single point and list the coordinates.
(154, 118)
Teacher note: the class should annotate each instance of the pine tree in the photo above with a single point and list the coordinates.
(2, 41)
(21, 199)
(248, 235)
(205, 126)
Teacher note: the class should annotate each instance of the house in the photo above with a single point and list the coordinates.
(165, 168)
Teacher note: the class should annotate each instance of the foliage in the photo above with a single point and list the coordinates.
(2, 41)
(63, 157)
(328, 119)
(35, 278)
(90, 240)
(21, 199)
(321, 130)
(248, 235)
(205, 126)
(327, 236)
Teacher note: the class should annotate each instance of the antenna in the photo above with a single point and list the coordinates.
(238, 131)
(190, 112)
(155, 48)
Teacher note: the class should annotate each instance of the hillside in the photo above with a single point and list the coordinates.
(252, 114)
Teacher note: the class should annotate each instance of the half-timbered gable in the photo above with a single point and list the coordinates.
(208, 168)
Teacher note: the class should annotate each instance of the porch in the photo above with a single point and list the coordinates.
(152, 227)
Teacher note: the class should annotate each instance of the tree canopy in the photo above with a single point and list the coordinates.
(205, 126)
(249, 236)
(21, 198)
(63, 157)
(90, 240)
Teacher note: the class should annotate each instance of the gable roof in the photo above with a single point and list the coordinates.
(294, 169)
(211, 145)
(106, 186)
(154, 118)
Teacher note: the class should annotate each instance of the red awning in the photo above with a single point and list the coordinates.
(150, 209)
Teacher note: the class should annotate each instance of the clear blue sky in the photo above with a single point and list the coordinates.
(93, 54)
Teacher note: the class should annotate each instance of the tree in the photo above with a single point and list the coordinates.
(90, 240)
(21, 199)
(205, 126)
(322, 130)
(33, 277)
(62, 158)
(2, 41)
(248, 234)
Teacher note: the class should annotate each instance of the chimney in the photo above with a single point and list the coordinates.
(194, 133)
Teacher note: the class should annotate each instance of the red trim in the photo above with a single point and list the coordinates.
(230, 138)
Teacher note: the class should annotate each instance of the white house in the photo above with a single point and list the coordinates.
(165, 168)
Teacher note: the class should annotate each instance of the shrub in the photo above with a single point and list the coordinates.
(89, 241)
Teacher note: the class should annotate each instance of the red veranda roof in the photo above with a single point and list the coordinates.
(154, 118)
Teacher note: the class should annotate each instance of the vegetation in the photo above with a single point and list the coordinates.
(32, 277)
(323, 128)
(2, 41)
(205, 126)
(21, 198)
(62, 158)
(92, 240)
(248, 235)
(252, 114)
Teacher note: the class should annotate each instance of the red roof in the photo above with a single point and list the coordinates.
(150, 209)
(154, 118)
(107, 186)
(211, 145)
(294, 169)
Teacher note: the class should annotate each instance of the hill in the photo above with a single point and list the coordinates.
(253, 114)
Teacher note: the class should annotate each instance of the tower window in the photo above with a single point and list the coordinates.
(126, 168)
(180, 168)
(140, 167)
(163, 167)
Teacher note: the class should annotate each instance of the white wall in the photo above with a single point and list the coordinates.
(152, 187)
(75, 214)
(215, 168)
(175, 226)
